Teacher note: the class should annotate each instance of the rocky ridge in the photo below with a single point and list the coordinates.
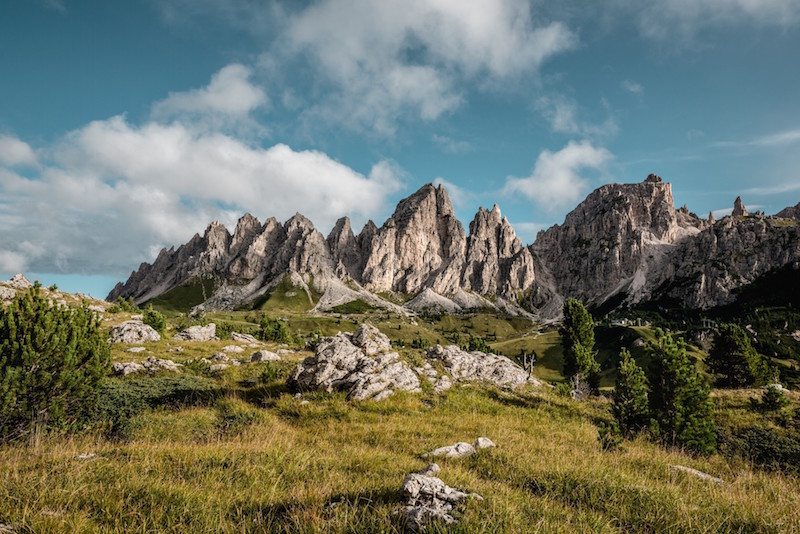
(624, 244)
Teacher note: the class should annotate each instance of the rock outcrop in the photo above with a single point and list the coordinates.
(738, 208)
(361, 364)
(198, 333)
(133, 332)
(429, 499)
(468, 366)
(792, 212)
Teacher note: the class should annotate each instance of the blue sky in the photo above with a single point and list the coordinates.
(128, 126)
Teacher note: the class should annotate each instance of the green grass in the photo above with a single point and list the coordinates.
(272, 464)
(183, 298)
(285, 297)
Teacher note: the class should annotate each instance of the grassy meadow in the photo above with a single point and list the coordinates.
(235, 451)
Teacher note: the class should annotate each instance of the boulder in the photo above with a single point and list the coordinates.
(467, 366)
(198, 333)
(133, 332)
(126, 368)
(153, 364)
(6, 293)
(342, 363)
(243, 338)
(483, 443)
(264, 356)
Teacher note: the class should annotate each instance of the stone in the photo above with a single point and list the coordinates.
(442, 384)
(6, 293)
(18, 281)
(232, 348)
(198, 333)
(153, 365)
(218, 367)
(341, 363)
(491, 368)
(777, 386)
(126, 368)
(429, 499)
(264, 356)
(133, 332)
(483, 443)
(87, 456)
(219, 357)
(458, 450)
(284, 352)
(136, 350)
(696, 473)
(243, 338)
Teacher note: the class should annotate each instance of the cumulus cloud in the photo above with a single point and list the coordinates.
(557, 177)
(14, 152)
(225, 103)
(563, 115)
(112, 193)
(385, 59)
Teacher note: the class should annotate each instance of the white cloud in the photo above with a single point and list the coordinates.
(562, 114)
(110, 194)
(633, 87)
(14, 152)
(556, 179)
(226, 102)
(785, 137)
(388, 59)
(684, 19)
(453, 146)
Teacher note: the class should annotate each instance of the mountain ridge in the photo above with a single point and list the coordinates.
(624, 241)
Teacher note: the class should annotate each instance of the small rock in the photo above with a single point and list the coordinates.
(430, 470)
(153, 364)
(219, 357)
(459, 450)
(6, 293)
(699, 474)
(777, 386)
(218, 367)
(429, 499)
(243, 338)
(284, 352)
(137, 317)
(483, 443)
(264, 356)
(442, 384)
(198, 333)
(86, 456)
(304, 402)
(136, 349)
(232, 348)
(126, 368)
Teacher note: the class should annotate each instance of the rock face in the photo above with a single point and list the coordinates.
(18, 281)
(133, 332)
(738, 208)
(198, 333)
(467, 366)
(360, 364)
(792, 212)
(613, 240)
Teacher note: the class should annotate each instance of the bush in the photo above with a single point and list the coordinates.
(123, 305)
(52, 360)
(121, 400)
(274, 330)
(609, 436)
(772, 400)
(155, 319)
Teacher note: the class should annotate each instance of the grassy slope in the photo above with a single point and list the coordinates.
(258, 460)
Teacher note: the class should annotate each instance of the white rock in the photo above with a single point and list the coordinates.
(133, 332)
(483, 443)
(465, 366)
(341, 363)
(698, 474)
(219, 357)
(264, 356)
(218, 367)
(153, 364)
(458, 450)
(126, 368)
(442, 384)
(232, 348)
(284, 352)
(6, 293)
(18, 281)
(429, 499)
(198, 333)
(136, 349)
(243, 338)
(86, 456)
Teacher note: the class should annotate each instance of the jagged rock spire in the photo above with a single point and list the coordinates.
(738, 208)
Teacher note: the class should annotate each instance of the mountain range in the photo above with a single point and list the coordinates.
(625, 244)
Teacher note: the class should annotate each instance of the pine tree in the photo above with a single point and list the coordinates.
(734, 360)
(52, 359)
(577, 339)
(679, 400)
(630, 403)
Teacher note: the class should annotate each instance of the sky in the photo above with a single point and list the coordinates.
(126, 127)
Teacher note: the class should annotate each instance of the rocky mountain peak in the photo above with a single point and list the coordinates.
(738, 208)
(711, 219)
(345, 250)
(792, 212)
(652, 179)
(246, 230)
